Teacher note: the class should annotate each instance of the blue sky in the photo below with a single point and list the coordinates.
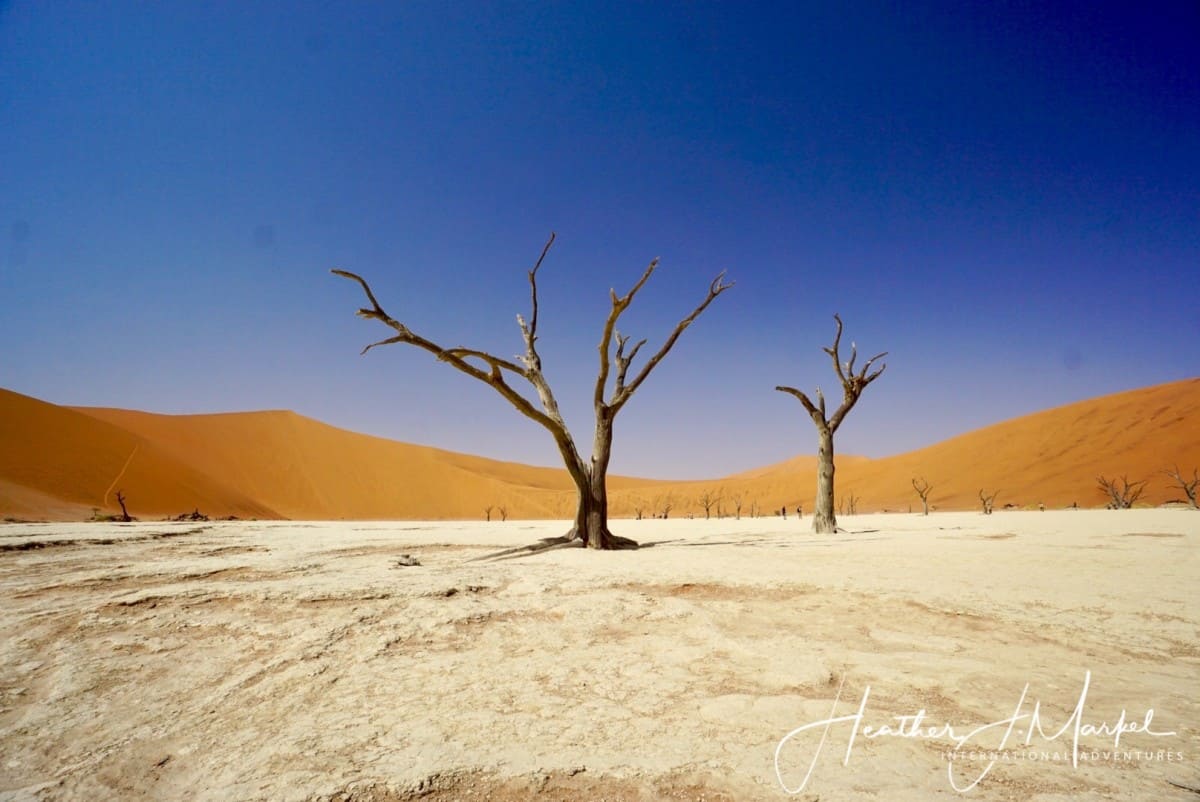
(1004, 196)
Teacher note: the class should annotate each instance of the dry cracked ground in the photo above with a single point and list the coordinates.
(291, 661)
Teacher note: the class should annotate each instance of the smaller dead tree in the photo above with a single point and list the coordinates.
(503, 513)
(852, 503)
(1188, 486)
(1120, 496)
(487, 513)
(124, 512)
(853, 384)
(754, 508)
(989, 502)
(639, 508)
(736, 498)
(708, 499)
(665, 505)
(922, 487)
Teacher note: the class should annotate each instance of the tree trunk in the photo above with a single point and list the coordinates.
(591, 485)
(824, 521)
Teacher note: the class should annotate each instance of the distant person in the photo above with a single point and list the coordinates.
(799, 511)
(783, 512)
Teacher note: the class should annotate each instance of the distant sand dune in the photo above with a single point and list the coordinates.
(59, 463)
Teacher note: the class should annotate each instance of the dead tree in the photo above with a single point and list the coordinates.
(707, 499)
(737, 505)
(639, 508)
(503, 513)
(590, 476)
(853, 385)
(852, 503)
(665, 505)
(124, 512)
(487, 513)
(1121, 497)
(989, 502)
(1188, 486)
(922, 487)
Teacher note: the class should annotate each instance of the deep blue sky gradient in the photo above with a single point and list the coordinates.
(1004, 196)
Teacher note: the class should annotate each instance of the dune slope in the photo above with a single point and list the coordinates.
(59, 463)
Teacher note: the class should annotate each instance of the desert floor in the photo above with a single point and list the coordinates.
(304, 661)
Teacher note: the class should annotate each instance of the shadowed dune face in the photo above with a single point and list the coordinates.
(60, 463)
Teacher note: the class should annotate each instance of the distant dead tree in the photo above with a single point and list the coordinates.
(124, 512)
(989, 502)
(639, 507)
(590, 477)
(487, 513)
(852, 503)
(922, 487)
(754, 508)
(503, 513)
(1122, 496)
(665, 505)
(737, 499)
(1188, 486)
(707, 500)
(853, 385)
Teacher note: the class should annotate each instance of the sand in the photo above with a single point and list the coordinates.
(303, 661)
(61, 463)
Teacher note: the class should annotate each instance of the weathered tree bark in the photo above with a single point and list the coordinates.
(590, 478)
(824, 520)
(853, 384)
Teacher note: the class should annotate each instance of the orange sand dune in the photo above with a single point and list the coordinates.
(59, 463)
(1051, 457)
(306, 469)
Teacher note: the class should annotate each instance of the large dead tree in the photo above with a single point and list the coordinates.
(853, 385)
(589, 476)
(1188, 486)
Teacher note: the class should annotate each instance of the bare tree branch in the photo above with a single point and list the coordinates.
(456, 357)
(533, 314)
(817, 413)
(1188, 486)
(718, 286)
(619, 305)
(1121, 497)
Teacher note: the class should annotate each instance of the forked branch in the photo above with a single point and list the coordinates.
(853, 383)
(622, 391)
(459, 357)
